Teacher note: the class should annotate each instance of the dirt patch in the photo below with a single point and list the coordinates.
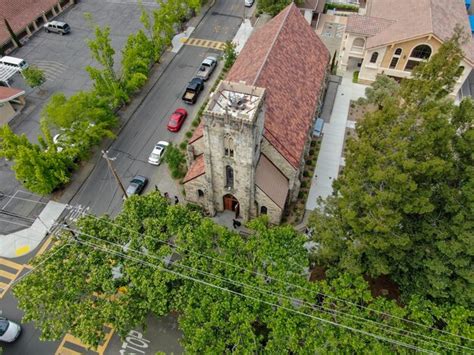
(384, 286)
(317, 274)
(357, 112)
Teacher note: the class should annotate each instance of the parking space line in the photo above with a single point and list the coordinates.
(70, 342)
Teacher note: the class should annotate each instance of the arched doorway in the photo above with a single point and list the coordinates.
(231, 204)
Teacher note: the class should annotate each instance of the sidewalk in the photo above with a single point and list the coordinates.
(22, 242)
(329, 158)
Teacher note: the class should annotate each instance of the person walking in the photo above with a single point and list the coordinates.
(176, 200)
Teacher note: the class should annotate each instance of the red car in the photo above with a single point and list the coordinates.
(177, 119)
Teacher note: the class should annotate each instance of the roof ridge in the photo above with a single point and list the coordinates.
(277, 34)
(431, 15)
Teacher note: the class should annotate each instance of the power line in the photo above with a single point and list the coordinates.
(376, 336)
(321, 308)
(278, 280)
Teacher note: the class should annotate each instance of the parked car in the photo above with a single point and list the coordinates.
(249, 3)
(207, 67)
(177, 119)
(57, 27)
(137, 185)
(193, 90)
(13, 62)
(157, 153)
(9, 331)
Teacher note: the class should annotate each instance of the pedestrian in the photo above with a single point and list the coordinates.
(166, 195)
(156, 188)
(176, 200)
(234, 223)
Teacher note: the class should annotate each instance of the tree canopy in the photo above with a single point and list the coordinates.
(231, 293)
(404, 203)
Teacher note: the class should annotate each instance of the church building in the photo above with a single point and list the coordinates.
(248, 153)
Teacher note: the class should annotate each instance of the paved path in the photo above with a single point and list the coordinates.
(329, 158)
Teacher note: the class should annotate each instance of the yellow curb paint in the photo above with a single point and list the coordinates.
(22, 250)
(183, 39)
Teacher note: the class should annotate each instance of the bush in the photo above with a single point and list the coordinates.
(183, 145)
(189, 134)
(304, 184)
(230, 55)
(355, 77)
(309, 162)
(176, 162)
(341, 7)
(196, 122)
(305, 173)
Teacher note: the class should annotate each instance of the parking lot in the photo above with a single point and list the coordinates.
(63, 59)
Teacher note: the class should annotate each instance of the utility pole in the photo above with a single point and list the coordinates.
(109, 163)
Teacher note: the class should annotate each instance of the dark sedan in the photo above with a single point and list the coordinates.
(137, 185)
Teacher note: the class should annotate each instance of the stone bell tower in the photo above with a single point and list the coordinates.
(233, 128)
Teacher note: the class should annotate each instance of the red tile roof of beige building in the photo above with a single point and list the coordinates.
(7, 94)
(20, 13)
(198, 132)
(196, 169)
(288, 59)
(366, 25)
(416, 18)
(271, 181)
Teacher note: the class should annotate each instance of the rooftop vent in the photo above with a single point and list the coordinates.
(237, 102)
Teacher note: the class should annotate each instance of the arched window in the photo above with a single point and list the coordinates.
(422, 51)
(395, 58)
(229, 176)
(373, 58)
(263, 210)
(228, 146)
(200, 193)
(358, 44)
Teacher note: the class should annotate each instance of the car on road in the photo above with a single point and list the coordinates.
(9, 331)
(207, 67)
(137, 185)
(57, 27)
(13, 62)
(177, 119)
(249, 3)
(157, 153)
(193, 90)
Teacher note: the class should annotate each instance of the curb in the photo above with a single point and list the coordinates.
(139, 99)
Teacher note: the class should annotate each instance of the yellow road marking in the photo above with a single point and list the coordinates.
(43, 248)
(198, 42)
(68, 338)
(22, 250)
(4, 287)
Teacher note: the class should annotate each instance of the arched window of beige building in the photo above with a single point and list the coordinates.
(358, 44)
(373, 57)
(417, 55)
(228, 146)
(395, 58)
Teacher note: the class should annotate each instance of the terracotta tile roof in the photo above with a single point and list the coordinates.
(288, 59)
(19, 13)
(7, 94)
(271, 181)
(366, 25)
(198, 132)
(196, 169)
(414, 18)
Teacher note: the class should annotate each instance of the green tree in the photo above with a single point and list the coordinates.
(404, 203)
(106, 82)
(273, 7)
(176, 161)
(230, 55)
(113, 272)
(34, 76)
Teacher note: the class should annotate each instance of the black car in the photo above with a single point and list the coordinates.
(193, 90)
(137, 185)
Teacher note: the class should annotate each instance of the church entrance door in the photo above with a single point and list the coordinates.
(232, 204)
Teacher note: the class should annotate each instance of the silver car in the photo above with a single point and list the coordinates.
(137, 185)
(57, 27)
(9, 331)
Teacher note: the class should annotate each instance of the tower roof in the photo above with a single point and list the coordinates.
(288, 59)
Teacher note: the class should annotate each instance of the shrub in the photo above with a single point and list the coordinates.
(195, 122)
(304, 184)
(355, 77)
(341, 7)
(183, 145)
(305, 173)
(189, 134)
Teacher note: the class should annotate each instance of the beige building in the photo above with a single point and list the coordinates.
(394, 36)
(247, 155)
(11, 101)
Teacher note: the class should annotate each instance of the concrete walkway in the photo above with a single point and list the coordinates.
(329, 158)
(26, 240)
(242, 35)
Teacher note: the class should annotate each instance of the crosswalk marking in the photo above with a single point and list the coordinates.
(199, 42)
(9, 271)
(70, 342)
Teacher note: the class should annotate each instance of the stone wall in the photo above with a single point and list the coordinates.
(191, 189)
(273, 211)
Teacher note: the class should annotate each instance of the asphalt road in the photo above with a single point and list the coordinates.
(147, 126)
(131, 149)
(63, 59)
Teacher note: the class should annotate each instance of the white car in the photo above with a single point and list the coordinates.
(157, 153)
(249, 3)
(9, 331)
